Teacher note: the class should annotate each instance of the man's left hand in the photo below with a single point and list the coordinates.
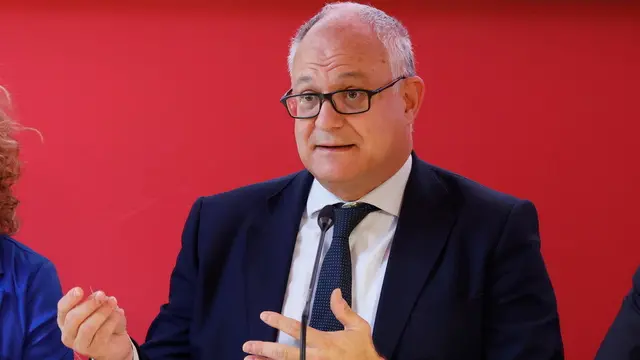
(354, 342)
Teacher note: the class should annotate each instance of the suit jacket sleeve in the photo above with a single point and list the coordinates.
(622, 341)
(168, 335)
(522, 313)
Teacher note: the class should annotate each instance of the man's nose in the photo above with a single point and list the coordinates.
(329, 118)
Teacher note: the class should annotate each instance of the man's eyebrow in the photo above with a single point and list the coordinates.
(352, 74)
(305, 79)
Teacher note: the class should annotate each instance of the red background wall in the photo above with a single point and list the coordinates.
(145, 105)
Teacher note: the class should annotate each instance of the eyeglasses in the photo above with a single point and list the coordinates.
(346, 102)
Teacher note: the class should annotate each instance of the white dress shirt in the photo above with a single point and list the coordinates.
(370, 243)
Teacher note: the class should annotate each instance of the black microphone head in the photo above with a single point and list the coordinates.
(325, 218)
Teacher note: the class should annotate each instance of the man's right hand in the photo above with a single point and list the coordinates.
(95, 327)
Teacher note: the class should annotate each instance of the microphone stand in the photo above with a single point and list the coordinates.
(325, 220)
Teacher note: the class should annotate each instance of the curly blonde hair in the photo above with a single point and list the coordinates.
(9, 167)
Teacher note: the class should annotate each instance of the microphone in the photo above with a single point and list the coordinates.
(325, 221)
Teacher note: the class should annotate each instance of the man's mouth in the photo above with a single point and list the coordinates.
(334, 147)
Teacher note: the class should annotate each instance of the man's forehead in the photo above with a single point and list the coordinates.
(339, 63)
(338, 51)
(307, 78)
(329, 37)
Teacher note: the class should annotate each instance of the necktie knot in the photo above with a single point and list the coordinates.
(348, 215)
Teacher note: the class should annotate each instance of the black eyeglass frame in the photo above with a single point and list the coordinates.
(329, 96)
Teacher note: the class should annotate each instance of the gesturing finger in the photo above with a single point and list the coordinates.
(345, 314)
(89, 328)
(76, 316)
(272, 350)
(292, 327)
(71, 299)
(115, 320)
(108, 328)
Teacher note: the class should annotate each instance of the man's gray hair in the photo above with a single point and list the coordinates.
(393, 35)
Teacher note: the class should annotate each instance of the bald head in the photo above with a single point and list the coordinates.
(344, 48)
(365, 20)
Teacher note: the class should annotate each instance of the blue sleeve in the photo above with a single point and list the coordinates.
(622, 340)
(43, 338)
(168, 335)
(523, 321)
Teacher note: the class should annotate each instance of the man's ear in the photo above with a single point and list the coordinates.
(413, 96)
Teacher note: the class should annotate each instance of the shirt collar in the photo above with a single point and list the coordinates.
(387, 197)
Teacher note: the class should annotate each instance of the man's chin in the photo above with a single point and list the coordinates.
(334, 174)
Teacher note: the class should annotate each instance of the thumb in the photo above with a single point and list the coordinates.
(344, 313)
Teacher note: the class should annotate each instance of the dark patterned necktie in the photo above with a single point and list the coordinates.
(336, 266)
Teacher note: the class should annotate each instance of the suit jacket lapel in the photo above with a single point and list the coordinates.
(269, 250)
(425, 220)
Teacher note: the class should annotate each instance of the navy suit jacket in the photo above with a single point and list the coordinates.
(623, 338)
(465, 278)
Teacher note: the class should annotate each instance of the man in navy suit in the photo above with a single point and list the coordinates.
(420, 263)
(623, 338)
